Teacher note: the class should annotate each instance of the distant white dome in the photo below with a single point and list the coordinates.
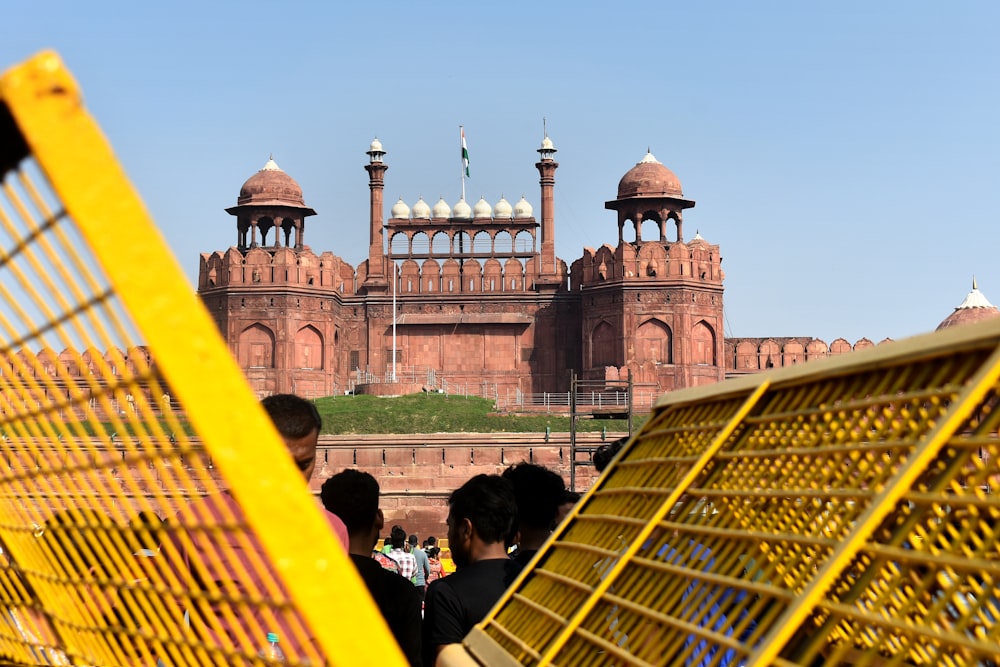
(441, 209)
(376, 145)
(648, 158)
(462, 210)
(400, 209)
(547, 144)
(522, 209)
(482, 209)
(503, 209)
(421, 211)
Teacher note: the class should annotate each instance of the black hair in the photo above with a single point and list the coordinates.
(570, 497)
(293, 416)
(538, 492)
(604, 453)
(398, 537)
(487, 501)
(353, 496)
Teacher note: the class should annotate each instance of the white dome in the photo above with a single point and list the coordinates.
(503, 209)
(547, 144)
(376, 145)
(421, 210)
(522, 209)
(462, 210)
(441, 209)
(400, 209)
(482, 209)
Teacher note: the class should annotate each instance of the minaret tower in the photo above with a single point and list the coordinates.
(376, 167)
(548, 278)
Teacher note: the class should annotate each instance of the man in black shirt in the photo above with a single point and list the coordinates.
(482, 515)
(353, 496)
(538, 492)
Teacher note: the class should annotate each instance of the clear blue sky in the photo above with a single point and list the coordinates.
(844, 155)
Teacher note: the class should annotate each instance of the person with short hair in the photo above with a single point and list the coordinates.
(538, 492)
(569, 500)
(353, 496)
(607, 452)
(482, 514)
(298, 423)
(407, 561)
(423, 567)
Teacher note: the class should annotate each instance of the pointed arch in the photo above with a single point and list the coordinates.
(703, 344)
(654, 343)
(602, 346)
(309, 348)
(256, 347)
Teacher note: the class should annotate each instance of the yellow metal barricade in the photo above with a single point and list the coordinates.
(101, 442)
(842, 512)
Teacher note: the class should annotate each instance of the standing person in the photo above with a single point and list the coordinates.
(538, 492)
(407, 562)
(423, 567)
(434, 565)
(298, 423)
(482, 514)
(353, 496)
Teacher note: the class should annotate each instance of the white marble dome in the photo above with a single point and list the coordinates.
(482, 209)
(400, 209)
(462, 210)
(421, 210)
(503, 209)
(376, 145)
(441, 209)
(522, 209)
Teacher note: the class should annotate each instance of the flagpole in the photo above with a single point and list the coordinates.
(462, 164)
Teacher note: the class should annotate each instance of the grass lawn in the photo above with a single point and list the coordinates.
(441, 413)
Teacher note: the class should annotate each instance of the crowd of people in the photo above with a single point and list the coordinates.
(496, 523)
(430, 594)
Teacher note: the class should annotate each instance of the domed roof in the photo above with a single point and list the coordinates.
(975, 308)
(649, 178)
(482, 209)
(441, 209)
(400, 209)
(462, 210)
(503, 209)
(421, 210)
(271, 185)
(376, 145)
(522, 209)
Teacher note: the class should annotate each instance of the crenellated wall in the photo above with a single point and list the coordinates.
(751, 355)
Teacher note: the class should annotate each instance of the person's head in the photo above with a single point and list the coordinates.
(398, 537)
(431, 541)
(482, 513)
(538, 492)
(569, 499)
(353, 496)
(413, 542)
(298, 422)
(605, 453)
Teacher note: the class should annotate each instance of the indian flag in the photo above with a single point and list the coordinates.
(465, 151)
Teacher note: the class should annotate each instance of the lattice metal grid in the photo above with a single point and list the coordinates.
(840, 512)
(101, 442)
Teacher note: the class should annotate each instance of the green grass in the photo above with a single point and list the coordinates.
(441, 413)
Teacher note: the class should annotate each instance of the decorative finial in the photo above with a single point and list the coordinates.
(974, 282)
(545, 128)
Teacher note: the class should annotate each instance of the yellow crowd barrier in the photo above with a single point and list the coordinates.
(101, 443)
(842, 512)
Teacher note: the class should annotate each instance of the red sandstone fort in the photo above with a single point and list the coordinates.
(473, 296)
